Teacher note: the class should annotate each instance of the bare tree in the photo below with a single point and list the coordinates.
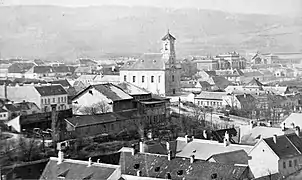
(97, 108)
(28, 148)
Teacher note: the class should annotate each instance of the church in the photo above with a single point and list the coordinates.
(158, 73)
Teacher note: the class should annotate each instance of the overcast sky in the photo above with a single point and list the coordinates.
(242, 6)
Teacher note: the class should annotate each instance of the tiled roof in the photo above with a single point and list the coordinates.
(28, 170)
(247, 98)
(187, 84)
(293, 118)
(62, 82)
(83, 69)
(38, 62)
(203, 149)
(153, 165)
(107, 79)
(75, 169)
(87, 61)
(251, 136)
(221, 82)
(148, 61)
(86, 120)
(211, 95)
(204, 84)
(51, 90)
(168, 36)
(286, 146)
(252, 74)
(276, 90)
(2, 110)
(20, 67)
(232, 157)
(22, 106)
(43, 69)
(254, 82)
(63, 69)
(211, 73)
(109, 90)
(132, 89)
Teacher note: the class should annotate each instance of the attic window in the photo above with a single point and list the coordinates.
(168, 176)
(157, 169)
(136, 166)
(90, 92)
(214, 176)
(180, 172)
(88, 177)
(63, 175)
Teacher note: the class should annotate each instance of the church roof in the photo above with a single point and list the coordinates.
(148, 61)
(168, 36)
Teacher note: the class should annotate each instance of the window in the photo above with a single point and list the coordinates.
(284, 165)
(58, 99)
(295, 162)
(158, 79)
(174, 91)
(172, 78)
(136, 166)
(48, 101)
(4, 115)
(290, 163)
(133, 78)
(0, 115)
(198, 102)
(41, 101)
(125, 78)
(157, 169)
(152, 79)
(180, 172)
(62, 99)
(53, 100)
(65, 99)
(143, 79)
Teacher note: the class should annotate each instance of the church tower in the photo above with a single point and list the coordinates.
(168, 48)
(172, 70)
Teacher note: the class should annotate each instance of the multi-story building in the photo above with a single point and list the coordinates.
(159, 73)
(42, 95)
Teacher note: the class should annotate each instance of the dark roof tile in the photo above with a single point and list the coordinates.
(51, 90)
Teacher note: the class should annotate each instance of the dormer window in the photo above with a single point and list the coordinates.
(90, 92)
(180, 172)
(136, 166)
(214, 176)
(63, 175)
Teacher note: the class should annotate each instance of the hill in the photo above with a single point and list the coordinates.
(64, 33)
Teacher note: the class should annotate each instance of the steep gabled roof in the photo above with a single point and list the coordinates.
(168, 36)
(154, 165)
(132, 89)
(20, 67)
(254, 82)
(76, 169)
(109, 90)
(232, 157)
(221, 82)
(286, 146)
(148, 61)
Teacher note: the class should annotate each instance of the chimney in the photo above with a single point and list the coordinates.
(169, 155)
(192, 159)
(186, 138)
(226, 139)
(244, 95)
(269, 124)
(54, 123)
(297, 131)
(5, 90)
(138, 173)
(168, 146)
(98, 161)
(89, 162)
(205, 135)
(275, 138)
(283, 127)
(141, 147)
(60, 157)
(251, 125)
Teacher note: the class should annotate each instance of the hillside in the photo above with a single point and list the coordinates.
(62, 33)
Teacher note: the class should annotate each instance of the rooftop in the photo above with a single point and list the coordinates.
(155, 165)
(211, 95)
(232, 157)
(148, 61)
(76, 169)
(51, 90)
(132, 89)
(286, 146)
(109, 90)
(204, 149)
